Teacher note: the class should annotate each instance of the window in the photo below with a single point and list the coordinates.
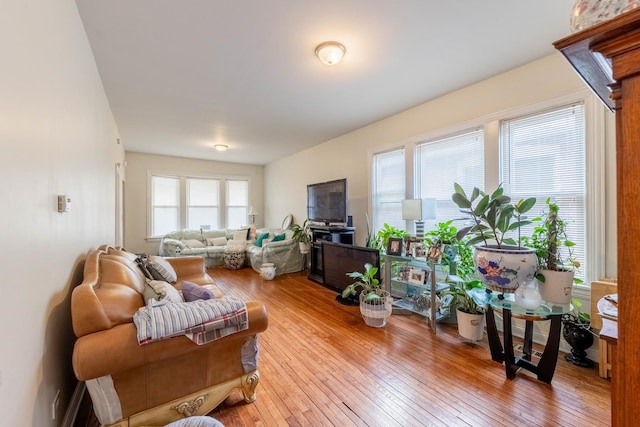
(179, 202)
(543, 155)
(442, 162)
(388, 189)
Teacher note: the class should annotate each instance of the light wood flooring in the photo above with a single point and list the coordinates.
(320, 365)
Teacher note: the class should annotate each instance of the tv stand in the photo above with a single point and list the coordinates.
(329, 233)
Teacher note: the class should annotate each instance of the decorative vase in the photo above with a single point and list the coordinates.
(557, 286)
(528, 296)
(470, 325)
(375, 312)
(504, 269)
(580, 338)
(267, 271)
(587, 13)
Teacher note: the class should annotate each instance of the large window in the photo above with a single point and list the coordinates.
(388, 188)
(179, 202)
(543, 155)
(444, 161)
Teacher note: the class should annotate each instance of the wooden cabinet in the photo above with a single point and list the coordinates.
(607, 57)
(319, 235)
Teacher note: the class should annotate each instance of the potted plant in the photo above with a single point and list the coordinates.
(470, 309)
(554, 250)
(302, 235)
(500, 261)
(375, 302)
(577, 331)
(457, 254)
(388, 231)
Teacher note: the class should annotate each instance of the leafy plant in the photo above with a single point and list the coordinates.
(301, 233)
(372, 240)
(493, 215)
(457, 252)
(462, 298)
(365, 282)
(551, 243)
(388, 231)
(578, 317)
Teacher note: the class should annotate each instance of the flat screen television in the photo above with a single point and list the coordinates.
(327, 201)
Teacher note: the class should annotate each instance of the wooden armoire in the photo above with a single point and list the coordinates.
(607, 57)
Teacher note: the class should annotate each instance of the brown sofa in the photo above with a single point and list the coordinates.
(160, 382)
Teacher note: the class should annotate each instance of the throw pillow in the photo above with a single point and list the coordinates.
(161, 290)
(278, 238)
(241, 234)
(193, 292)
(162, 267)
(260, 238)
(193, 244)
(216, 241)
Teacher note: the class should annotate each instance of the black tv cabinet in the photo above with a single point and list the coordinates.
(333, 234)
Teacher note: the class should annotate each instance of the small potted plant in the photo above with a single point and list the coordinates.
(470, 309)
(302, 235)
(554, 250)
(375, 302)
(388, 231)
(577, 331)
(457, 254)
(500, 260)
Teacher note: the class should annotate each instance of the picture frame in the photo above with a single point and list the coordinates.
(418, 250)
(394, 247)
(417, 276)
(409, 242)
(435, 253)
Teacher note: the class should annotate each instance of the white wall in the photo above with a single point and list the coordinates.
(58, 137)
(138, 167)
(350, 155)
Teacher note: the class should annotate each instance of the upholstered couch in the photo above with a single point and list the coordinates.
(284, 254)
(162, 381)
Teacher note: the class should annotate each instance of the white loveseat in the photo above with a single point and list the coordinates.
(211, 244)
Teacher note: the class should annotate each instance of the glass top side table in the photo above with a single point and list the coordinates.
(506, 304)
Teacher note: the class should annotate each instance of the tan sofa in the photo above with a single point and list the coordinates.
(163, 381)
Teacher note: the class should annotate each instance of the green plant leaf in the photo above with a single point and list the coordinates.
(461, 201)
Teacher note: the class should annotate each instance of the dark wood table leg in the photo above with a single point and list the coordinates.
(527, 345)
(547, 364)
(509, 358)
(497, 354)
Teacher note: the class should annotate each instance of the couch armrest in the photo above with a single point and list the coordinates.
(115, 350)
(188, 266)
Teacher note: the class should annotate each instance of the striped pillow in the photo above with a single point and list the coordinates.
(163, 268)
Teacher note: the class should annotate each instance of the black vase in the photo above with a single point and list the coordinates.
(580, 338)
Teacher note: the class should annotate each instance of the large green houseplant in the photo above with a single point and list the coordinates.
(375, 302)
(500, 261)
(470, 309)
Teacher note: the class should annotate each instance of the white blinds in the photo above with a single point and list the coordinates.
(388, 189)
(441, 162)
(543, 155)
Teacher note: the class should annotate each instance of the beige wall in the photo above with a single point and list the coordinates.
(350, 155)
(138, 167)
(58, 137)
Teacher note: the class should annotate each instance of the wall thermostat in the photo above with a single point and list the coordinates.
(64, 203)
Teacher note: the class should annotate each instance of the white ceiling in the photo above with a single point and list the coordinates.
(182, 75)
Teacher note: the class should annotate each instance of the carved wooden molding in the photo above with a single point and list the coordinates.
(188, 409)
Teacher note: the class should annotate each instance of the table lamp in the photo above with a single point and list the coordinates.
(418, 210)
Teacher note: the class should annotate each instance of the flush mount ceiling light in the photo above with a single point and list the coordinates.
(221, 147)
(330, 53)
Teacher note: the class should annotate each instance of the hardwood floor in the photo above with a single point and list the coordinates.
(320, 365)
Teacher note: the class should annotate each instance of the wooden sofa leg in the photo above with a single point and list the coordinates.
(249, 386)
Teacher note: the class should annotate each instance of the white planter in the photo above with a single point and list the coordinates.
(470, 326)
(267, 271)
(305, 247)
(557, 286)
(376, 312)
(504, 269)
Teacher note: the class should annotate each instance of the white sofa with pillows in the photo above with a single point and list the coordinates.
(260, 246)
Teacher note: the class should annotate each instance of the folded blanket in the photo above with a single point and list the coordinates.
(202, 321)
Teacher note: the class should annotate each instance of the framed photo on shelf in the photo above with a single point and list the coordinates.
(394, 247)
(417, 276)
(410, 242)
(418, 250)
(435, 253)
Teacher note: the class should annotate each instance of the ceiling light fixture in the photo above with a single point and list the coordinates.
(221, 147)
(330, 53)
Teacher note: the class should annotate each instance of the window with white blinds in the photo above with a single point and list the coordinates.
(442, 162)
(388, 190)
(543, 155)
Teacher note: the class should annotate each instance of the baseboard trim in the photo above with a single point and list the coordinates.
(74, 405)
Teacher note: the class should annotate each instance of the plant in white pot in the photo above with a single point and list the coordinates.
(470, 308)
(375, 302)
(500, 261)
(302, 235)
(554, 250)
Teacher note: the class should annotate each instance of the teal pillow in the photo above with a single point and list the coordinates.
(260, 238)
(278, 238)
